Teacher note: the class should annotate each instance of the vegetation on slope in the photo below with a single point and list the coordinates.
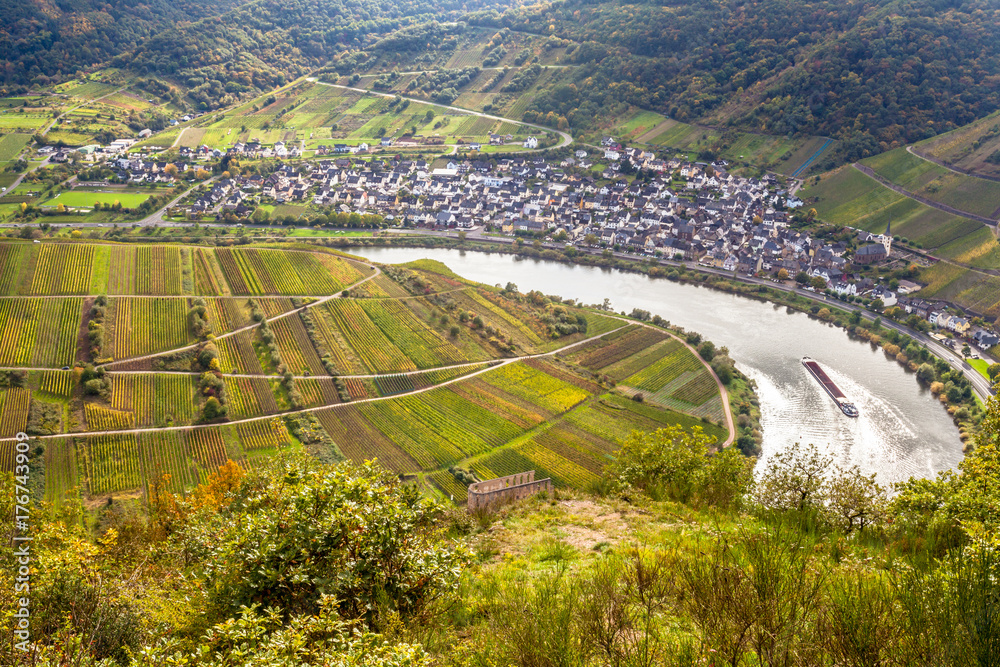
(683, 558)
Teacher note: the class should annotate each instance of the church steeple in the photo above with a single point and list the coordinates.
(887, 237)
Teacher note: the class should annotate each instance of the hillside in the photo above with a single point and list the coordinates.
(47, 41)
(871, 75)
(186, 357)
(682, 559)
(945, 209)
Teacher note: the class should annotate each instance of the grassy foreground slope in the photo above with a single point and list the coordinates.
(683, 558)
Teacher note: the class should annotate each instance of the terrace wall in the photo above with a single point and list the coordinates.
(502, 490)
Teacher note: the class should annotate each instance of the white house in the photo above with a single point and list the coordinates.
(531, 142)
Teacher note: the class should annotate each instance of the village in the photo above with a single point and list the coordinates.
(673, 209)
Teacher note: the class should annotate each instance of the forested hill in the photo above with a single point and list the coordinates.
(262, 43)
(51, 39)
(874, 73)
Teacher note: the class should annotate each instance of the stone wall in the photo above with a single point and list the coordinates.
(502, 490)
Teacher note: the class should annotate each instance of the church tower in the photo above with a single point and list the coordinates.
(887, 238)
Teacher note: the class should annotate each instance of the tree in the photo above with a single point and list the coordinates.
(782, 274)
(794, 480)
(817, 282)
(299, 531)
(993, 371)
(802, 277)
(926, 373)
(855, 500)
(171, 170)
(60, 208)
(201, 174)
(213, 409)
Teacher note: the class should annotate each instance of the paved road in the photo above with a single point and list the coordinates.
(565, 138)
(20, 178)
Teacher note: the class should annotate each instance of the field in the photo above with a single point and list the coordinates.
(143, 325)
(263, 271)
(63, 269)
(147, 270)
(39, 331)
(14, 404)
(965, 193)
(968, 147)
(85, 199)
(12, 144)
(541, 414)
(848, 197)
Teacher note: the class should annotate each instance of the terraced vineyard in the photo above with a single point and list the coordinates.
(41, 332)
(262, 271)
(146, 325)
(461, 375)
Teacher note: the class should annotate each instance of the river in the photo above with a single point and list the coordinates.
(903, 431)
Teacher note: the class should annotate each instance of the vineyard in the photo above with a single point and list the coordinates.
(63, 269)
(146, 270)
(154, 400)
(411, 336)
(164, 454)
(41, 332)
(253, 271)
(367, 341)
(56, 335)
(145, 325)
(236, 354)
(249, 397)
(317, 391)
(295, 348)
(61, 473)
(110, 463)
(226, 315)
(536, 387)
(57, 383)
(13, 258)
(554, 414)
(207, 281)
(207, 448)
(100, 418)
(14, 404)
(262, 434)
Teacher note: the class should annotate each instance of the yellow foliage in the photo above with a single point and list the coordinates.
(213, 492)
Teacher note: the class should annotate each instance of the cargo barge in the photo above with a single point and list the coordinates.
(838, 396)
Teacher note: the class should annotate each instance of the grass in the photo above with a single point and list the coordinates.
(11, 145)
(86, 198)
(848, 197)
(965, 193)
(981, 367)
